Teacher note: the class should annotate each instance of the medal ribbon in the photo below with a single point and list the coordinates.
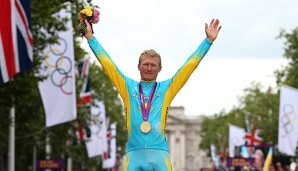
(146, 110)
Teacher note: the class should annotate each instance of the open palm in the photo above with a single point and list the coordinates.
(212, 29)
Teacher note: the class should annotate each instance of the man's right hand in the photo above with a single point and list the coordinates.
(88, 35)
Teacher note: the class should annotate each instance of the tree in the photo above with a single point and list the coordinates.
(263, 109)
(289, 74)
(23, 93)
(263, 106)
(105, 91)
(20, 92)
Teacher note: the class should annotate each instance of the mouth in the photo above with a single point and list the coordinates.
(149, 73)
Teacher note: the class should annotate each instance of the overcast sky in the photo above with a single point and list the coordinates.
(246, 49)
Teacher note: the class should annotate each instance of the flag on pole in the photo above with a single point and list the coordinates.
(79, 130)
(58, 90)
(288, 120)
(77, 133)
(109, 157)
(72, 135)
(252, 138)
(268, 159)
(15, 38)
(98, 140)
(83, 75)
(214, 156)
(236, 138)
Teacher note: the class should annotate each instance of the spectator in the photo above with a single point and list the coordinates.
(259, 160)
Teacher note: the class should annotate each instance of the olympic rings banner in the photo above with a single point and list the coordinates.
(58, 90)
(288, 120)
(98, 143)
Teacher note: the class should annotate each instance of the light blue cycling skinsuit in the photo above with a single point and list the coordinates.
(147, 152)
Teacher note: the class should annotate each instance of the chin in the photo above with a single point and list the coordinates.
(148, 79)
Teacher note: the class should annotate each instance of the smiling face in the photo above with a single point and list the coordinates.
(259, 159)
(149, 65)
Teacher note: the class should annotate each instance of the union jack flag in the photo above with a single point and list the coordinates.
(83, 73)
(252, 138)
(15, 38)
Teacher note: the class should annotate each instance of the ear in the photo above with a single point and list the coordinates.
(160, 68)
(139, 67)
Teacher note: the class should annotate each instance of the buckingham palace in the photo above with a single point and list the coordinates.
(183, 134)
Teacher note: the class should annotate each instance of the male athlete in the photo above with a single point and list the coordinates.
(147, 102)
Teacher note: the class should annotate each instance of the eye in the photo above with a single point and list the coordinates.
(153, 65)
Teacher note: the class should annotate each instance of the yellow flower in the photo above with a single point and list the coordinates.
(88, 7)
(87, 12)
(82, 11)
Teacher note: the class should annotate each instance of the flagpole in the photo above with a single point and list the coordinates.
(11, 150)
(1, 160)
(34, 158)
(69, 163)
(48, 148)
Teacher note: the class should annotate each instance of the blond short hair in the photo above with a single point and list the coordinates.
(150, 53)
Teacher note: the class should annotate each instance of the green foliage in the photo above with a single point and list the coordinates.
(23, 92)
(262, 105)
(264, 108)
(215, 129)
(104, 90)
(289, 74)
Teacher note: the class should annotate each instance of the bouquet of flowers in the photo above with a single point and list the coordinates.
(92, 16)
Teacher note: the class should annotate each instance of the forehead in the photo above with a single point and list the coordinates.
(149, 59)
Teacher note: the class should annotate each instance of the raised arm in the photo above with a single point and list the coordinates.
(183, 74)
(109, 67)
(212, 29)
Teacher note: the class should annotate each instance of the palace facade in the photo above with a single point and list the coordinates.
(183, 134)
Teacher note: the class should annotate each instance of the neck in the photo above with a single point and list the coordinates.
(148, 80)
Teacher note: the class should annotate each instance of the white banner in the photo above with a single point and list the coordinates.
(236, 138)
(288, 120)
(214, 156)
(98, 143)
(110, 161)
(58, 90)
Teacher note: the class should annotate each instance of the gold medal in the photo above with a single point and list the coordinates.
(145, 127)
